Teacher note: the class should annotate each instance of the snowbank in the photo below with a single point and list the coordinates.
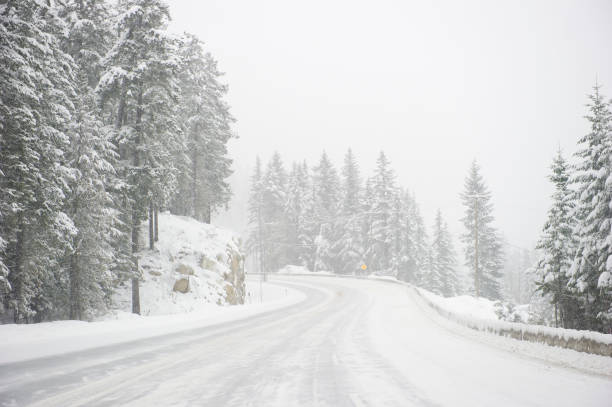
(465, 312)
(464, 305)
(192, 266)
(21, 342)
(479, 314)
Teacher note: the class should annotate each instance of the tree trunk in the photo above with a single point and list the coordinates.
(155, 211)
(19, 271)
(135, 295)
(151, 227)
(135, 220)
(75, 288)
(194, 183)
(206, 213)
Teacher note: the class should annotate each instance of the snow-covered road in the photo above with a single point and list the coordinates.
(348, 343)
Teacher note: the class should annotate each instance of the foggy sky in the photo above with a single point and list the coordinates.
(434, 84)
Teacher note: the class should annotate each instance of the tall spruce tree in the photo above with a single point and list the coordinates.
(274, 196)
(36, 107)
(206, 124)
(483, 249)
(295, 207)
(420, 240)
(349, 246)
(443, 275)
(325, 184)
(139, 89)
(91, 157)
(591, 271)
(383, 193)
(256, 207)
(557, 246)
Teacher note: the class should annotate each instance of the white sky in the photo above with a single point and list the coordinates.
(432, 83)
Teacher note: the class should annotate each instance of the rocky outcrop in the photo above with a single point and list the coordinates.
(234, 278)
(192, 265)
(181, 285)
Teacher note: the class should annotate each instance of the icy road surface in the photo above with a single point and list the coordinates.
(349, 343)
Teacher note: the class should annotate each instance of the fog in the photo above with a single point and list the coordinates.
(434, 84)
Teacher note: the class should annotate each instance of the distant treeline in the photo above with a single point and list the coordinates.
(325, 220)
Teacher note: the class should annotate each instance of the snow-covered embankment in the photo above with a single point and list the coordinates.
(188, 281)
(484, 319)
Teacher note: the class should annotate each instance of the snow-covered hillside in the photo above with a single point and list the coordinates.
(193, 265)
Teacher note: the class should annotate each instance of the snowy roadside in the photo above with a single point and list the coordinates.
(460, 314)
(25, 342)
(569, 358)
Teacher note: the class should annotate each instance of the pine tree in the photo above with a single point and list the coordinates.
(557, 247)
(349, 246)
(420, 240)
(91, 157)
(206, 121)
(591, 271)
(274, 196)
(325, 184)
(483, 249)
(35, 107)
(383, 193)
(396, 225)
(139, 89)
(256, 222)
(295, 207)
(443, 276)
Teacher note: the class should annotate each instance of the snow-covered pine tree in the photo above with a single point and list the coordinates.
(397, 226)
(274, 196)
(557, 246)
(383, 193)
(138, 88)
(206, 121)
(408, 262)
(217, 161)
(420, 240)
(91, 157)
(256, 223)
(483, 249)
(349, 246)
(310, 224)
(209, 120)
(443, 263)
(326, 185)
(591, 271)
(35, 108)
(295, 207)
(366, 220)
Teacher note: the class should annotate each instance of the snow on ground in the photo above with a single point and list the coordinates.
(292, 269)
(464, 305)
(188, 250)
(568, 358)
(23, 342)
(350, 342)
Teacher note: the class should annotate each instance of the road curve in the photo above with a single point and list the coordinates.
(349, 343)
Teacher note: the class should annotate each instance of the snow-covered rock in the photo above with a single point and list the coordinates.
(193, 264)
